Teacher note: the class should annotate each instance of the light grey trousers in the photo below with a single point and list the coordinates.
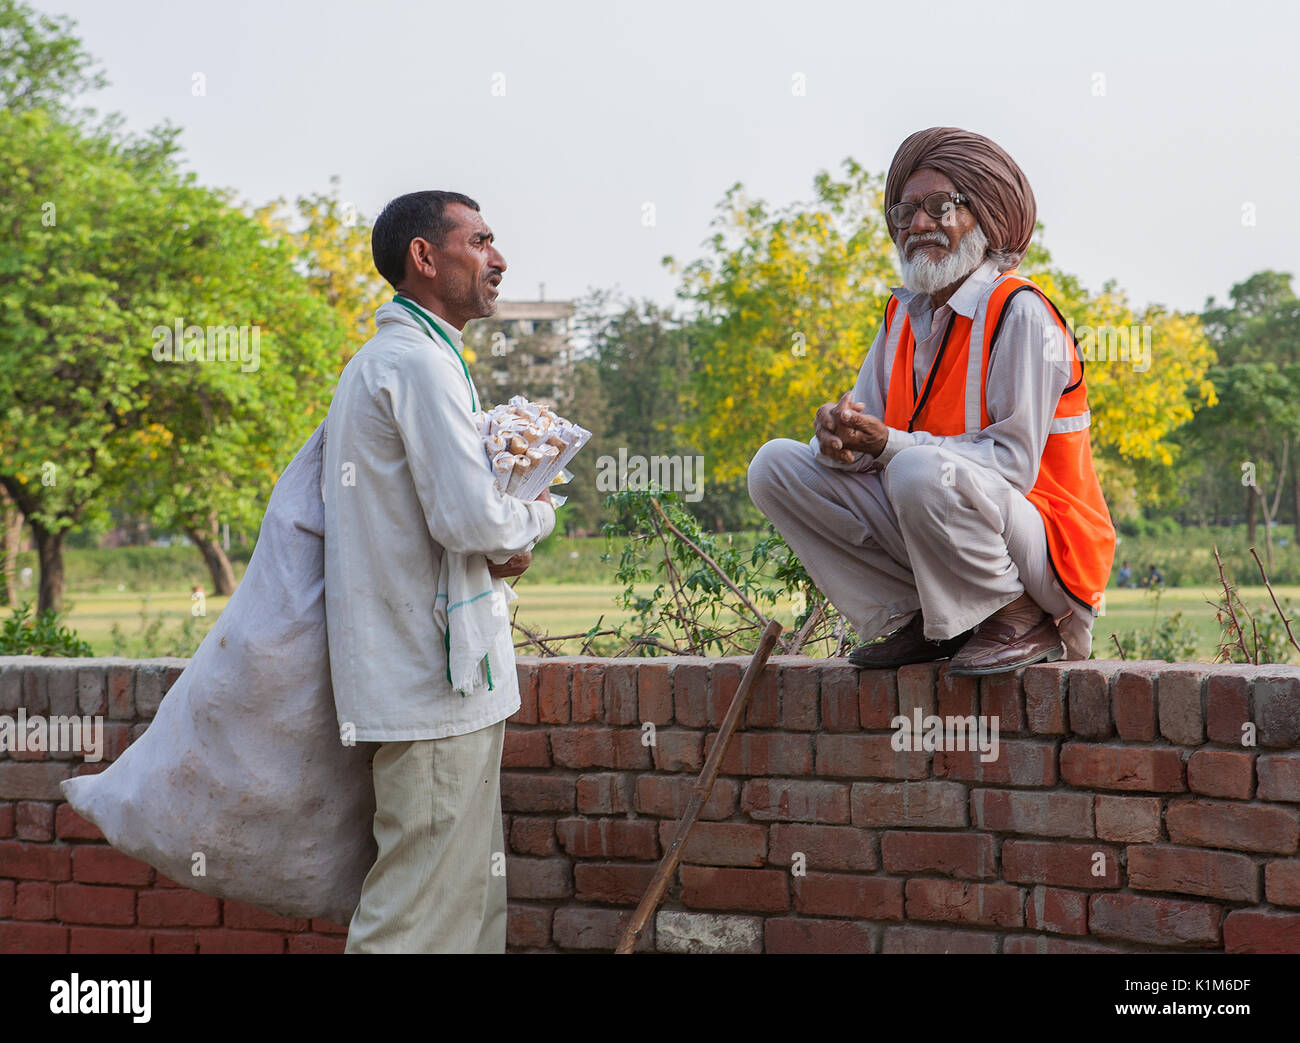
(438, 884)
(932, 531)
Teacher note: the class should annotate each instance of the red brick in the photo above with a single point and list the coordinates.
(553, 692)
(174, 942)
(178, 908)
(24, 861)
(525, 749)
(909, 804)
(1002, 698)
(1129, 819)
(1089, 702)
(1244, 930)
(611, 882)
(528, 926)
(1055, 814)
(1019, 762)
(800, 694)
(1282, 882)
(968, 855)
(1042, 945)
(1063, 865)
(8, 893)
(764, 710)
(99, 864)
(241, 915)
(1279, 776)
(666, 796)
(1276, 694)
(1045, 702)
(526, 668)
(839, 698)
(315, 944)
(588, 693)
(909, 939)
(586, 747)
(868, 756)
(620, 693)
(221, 940)
(678, 750)
(719, 843)
(1156, 769)
(538, 878)
(1227, 707)
(1057, 910)
(822, 847)
(28, 938)
(597, 929)
(1180, 706)
(608, 838)
(1191, 871)
(521, 792)
(34, 900)
(121, 689)
(1203, 823)
(1133, 701)
(604, 793)
(71, 826)
(6, 819)
(107, 940)
(765, 753)
(954, 901)
(877, 699)
(1154, 921)
(785, 935)
(956, 696)
(916, 688)
(767, 799)
(34, 820)
(1221, 773)
(843, 894)
(325, 927)
(691, 692)
(654, 691)
(78, 903)
(532, 836)
(745, 890)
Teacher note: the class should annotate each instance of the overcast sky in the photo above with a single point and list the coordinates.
(1144, 129)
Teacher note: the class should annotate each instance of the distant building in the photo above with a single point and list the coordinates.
(527, 349)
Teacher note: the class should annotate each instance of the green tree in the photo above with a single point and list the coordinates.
(42, 64)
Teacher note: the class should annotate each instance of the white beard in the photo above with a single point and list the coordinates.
(922, 275)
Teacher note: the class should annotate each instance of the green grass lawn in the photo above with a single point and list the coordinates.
(566, 608)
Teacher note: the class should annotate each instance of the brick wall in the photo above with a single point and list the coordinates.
(1123, 813)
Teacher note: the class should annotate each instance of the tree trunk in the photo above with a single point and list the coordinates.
(11, 520)
(49, 548)
(223, 576)
(1295, 498)
(1250, 515)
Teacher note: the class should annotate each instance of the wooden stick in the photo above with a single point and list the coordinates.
(703, 787)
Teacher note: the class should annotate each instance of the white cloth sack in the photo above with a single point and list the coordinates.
(243, 762)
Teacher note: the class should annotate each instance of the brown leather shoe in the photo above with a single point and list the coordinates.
(995, 649)
(906, 645)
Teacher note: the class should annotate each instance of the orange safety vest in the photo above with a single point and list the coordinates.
(1080, 536)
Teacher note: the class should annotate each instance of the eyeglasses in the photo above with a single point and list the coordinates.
(937, 204)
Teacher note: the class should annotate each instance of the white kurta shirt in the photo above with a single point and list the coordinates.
(405, 478)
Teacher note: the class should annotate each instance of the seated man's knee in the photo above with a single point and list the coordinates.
(769, 470)
(917, 474)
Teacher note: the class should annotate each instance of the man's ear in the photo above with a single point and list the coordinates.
(420, 259)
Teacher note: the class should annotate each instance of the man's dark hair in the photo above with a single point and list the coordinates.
(416, 215)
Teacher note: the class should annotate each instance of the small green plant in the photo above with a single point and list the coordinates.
(1264, 636)
(151, 641)
(1169, 639)
(43, 634)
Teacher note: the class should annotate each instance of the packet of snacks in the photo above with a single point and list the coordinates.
(528, 445)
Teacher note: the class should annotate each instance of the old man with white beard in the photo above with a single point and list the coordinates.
(949, 500)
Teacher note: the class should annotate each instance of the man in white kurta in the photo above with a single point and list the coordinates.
(406, 480)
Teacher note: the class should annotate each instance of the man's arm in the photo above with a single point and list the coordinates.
(464, 510)
(1030, 367)
(868, 392)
